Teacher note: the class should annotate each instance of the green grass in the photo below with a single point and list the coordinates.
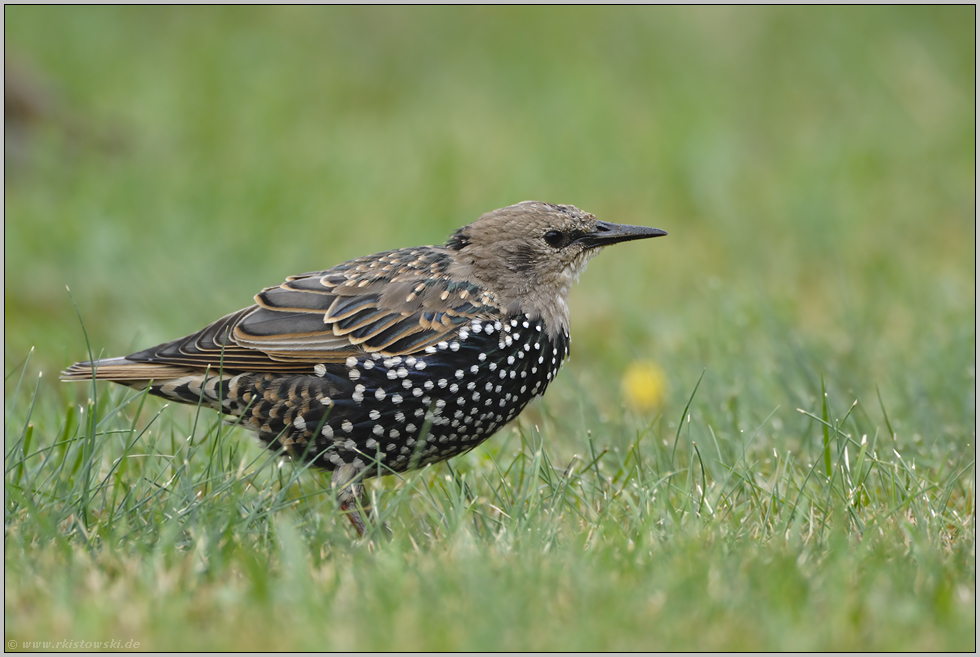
(808, 481)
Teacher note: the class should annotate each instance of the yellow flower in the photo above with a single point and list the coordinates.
(644, 385)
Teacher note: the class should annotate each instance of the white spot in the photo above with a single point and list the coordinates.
(537, 327)
(440, 403)
(347, 426)
(525, 324)
(497, 325)
(407, 383)
(326, 401)
(474, 369)
(396, 398)
(421, 364)
(300, 423)
(492, 366)
(523, 388)
(444, 345)
(399, 417)
(476, 396)
(358, 397)
(368, 365)
(454, 346)
(410, 361)
(374, 414)
(453, 388)
(320, 370)
(394, 433)
(392, 374)
(442, 383)
(418, 412)
(489, 387)
(410, 428)
(378, 430)
(428, 385)
(351, 362)
(430, 349)
(510, 360)
(402, 372)
(459, 374)
(463, 334)
(354, 375)
(482, 357)
(371, 443)
(327, 431)
(417, 392)
(350, 444)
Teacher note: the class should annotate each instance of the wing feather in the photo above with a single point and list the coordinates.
(395, 303)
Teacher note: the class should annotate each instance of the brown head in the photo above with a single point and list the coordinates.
(531, 253)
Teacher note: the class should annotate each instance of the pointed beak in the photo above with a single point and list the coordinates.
(606, 233)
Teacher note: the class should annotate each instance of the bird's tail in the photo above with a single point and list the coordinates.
(123, 370)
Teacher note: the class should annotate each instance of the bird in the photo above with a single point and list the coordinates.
(393, 361)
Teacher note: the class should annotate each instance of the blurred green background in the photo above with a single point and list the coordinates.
(813, 166)
(815, 170)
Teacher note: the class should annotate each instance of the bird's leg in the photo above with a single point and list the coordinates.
(348, 493)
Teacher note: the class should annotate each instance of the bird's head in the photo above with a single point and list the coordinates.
(531, 253)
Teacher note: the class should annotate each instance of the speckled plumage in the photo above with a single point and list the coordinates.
(391, 361)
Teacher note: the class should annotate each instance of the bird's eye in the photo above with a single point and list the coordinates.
(554, 238)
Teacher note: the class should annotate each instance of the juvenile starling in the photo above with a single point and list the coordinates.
(391, 361)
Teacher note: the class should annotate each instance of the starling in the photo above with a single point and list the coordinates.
(391, 361)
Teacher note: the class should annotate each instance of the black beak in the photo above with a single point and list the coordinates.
(606, 233)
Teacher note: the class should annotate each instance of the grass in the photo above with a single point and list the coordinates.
(806, 480)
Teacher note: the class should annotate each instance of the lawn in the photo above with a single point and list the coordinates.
(764, 440)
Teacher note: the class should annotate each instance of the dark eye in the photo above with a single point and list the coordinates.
(554, 238)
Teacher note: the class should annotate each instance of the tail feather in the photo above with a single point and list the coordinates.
(123, 371)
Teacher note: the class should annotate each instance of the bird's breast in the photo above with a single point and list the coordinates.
(401, 412)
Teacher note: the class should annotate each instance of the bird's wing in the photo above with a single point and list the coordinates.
(392, 303)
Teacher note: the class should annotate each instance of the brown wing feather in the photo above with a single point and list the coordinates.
(394, 303)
